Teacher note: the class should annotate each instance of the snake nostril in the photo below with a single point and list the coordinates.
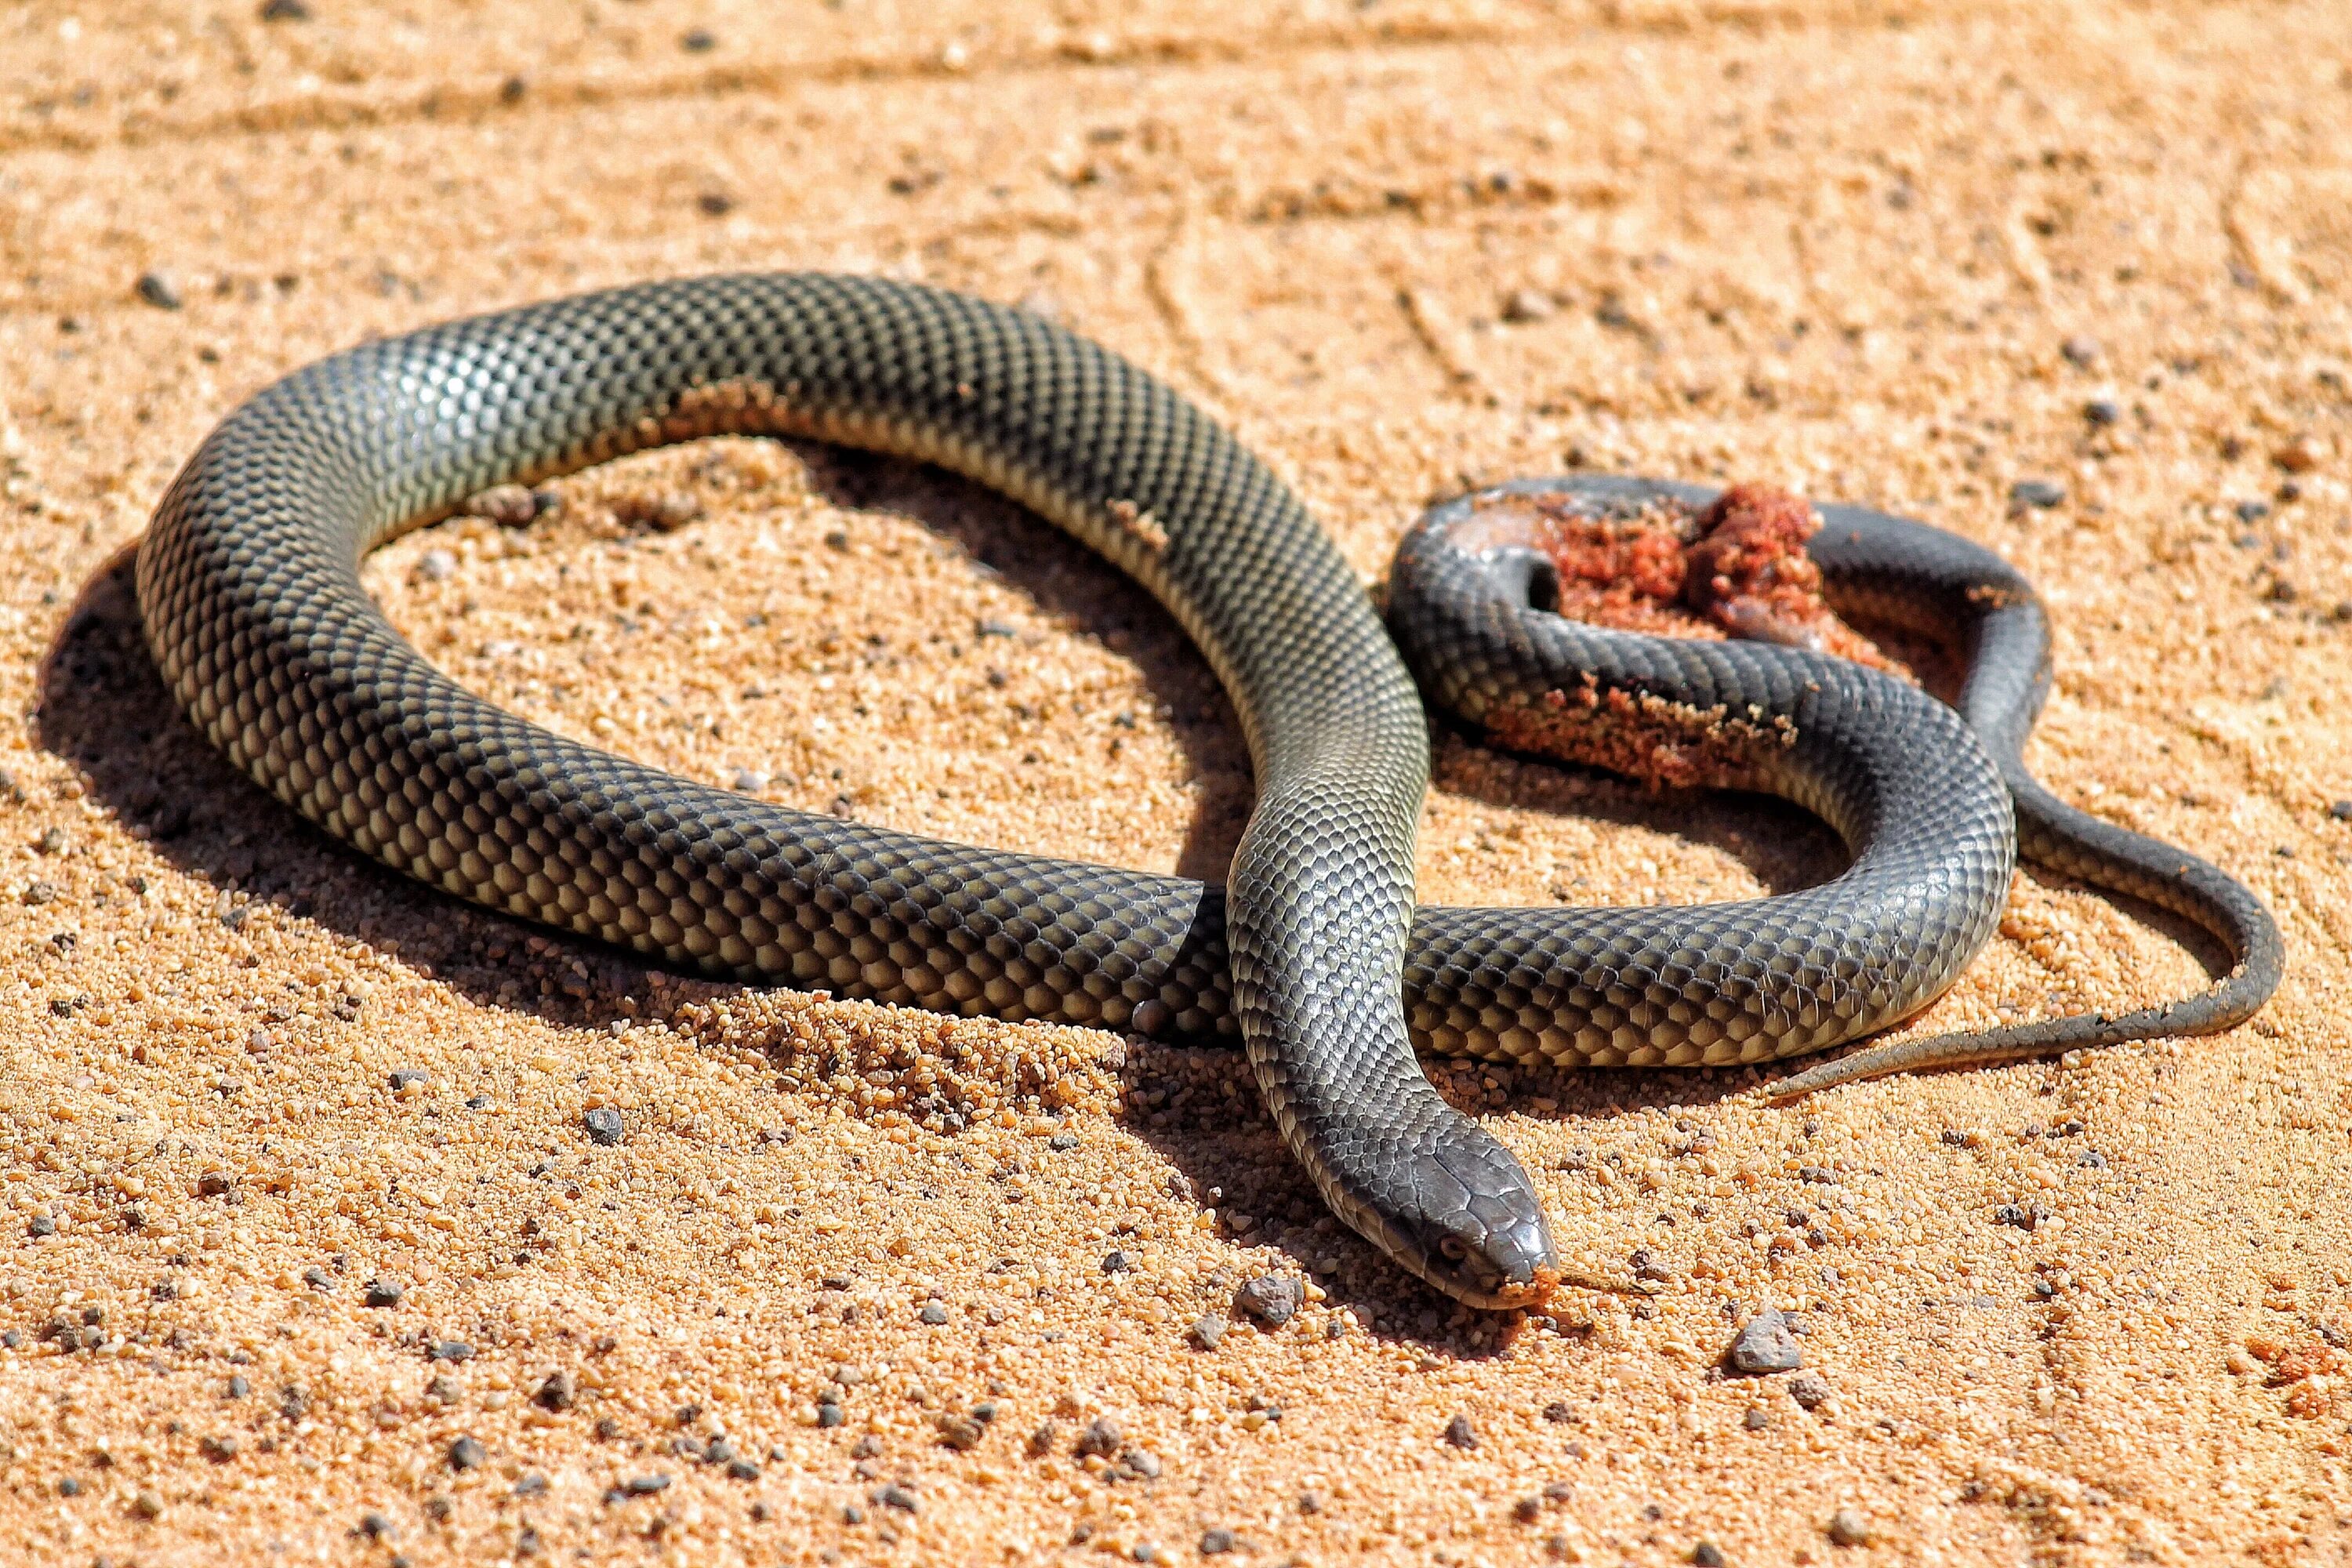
(1452, 1248)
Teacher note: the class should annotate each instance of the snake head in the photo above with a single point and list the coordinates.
(1474, 1229)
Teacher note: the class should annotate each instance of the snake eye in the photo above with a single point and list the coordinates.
(1452, 1248)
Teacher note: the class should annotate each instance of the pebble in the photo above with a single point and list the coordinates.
(1757, 1419)
(508, 506)
(743, 1470)
(1062, 1143)
(220, 1450)
(286, 10)
(2102, 411)
(468, 1454)
(41, 1225)
(895, 1495)
(2081, 351)
(158, 289)
(1208, 1330)
(2340, 810)
(1766, 1345)
(699, 41)
(1272, 1298)
(1460, 1434)
(603, 1125)
(751, 781)
(645, 1486)
(2252, 509)
(385, 1291)
(1708, 1554)
(934, 1314)
(961, 1433)
(1116, 1263)
(1101, 1437)
(1528, 305)
(1811, 1390)
(664, 514)
(556, 1393)
(453, 1350)
(240, 1386)
(69, 1487)
(318, 1279)
(2024, 1216)
(1216, 1541)
(2038, 493)
(1847, 1527)
(146, 1505)
(2297, 456)
(409, 1078)
(532, 1485)
(374, 1526)
(437, 565)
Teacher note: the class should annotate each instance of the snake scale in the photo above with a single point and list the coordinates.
(1314, 952)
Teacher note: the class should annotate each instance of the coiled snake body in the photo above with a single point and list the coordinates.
(1314, 953)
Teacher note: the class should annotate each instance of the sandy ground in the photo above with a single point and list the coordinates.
(1886, 252)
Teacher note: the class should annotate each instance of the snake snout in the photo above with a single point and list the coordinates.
(1484, 1241)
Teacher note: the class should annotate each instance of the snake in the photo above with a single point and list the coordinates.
(1314, 952)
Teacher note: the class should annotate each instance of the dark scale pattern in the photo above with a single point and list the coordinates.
(248, 586)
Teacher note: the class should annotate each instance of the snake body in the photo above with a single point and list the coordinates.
(1314, 955)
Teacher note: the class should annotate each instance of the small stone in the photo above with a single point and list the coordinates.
(409, 1078)
(1272, 1298)
(2042, 494)
(1101, 1437)
(1766, 1345)
(1116, 1263)
(1757, 1419)
(2081, 351)
(2024, 1216)
(453, 1350)
(556, 1393)
(751, 781)
(2102, 411)
(1208, 1330)
(645, 1486)
(961, 1433)
(1528, 305)
(318, 1279)
(603, 1125)
(286, 10)
(664, 514)
(743, 1470)
(1558, 1411)
(2252, 509)
(1216, 1541)
(220, 1450)
(934, 1314)
(385, 1291)
(1527, 1509)
(39, 893)
(829, 1414)
(508, 506)
(532, 1485)
(895, 1496)
(1847, 1527)
(41, 1225)
(1141, 1462)
(699, 41)
(714, 204)
(1062, 1143)
(468, 1454)
(437, 565)
(147, 1505)
(1708, 1554)
(2340, 810)
(158, 289)
(69, 1487)
(1811, 1390)
(240, 1386)
(2297, 456)
(374, 1526)
(1460, 1434)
